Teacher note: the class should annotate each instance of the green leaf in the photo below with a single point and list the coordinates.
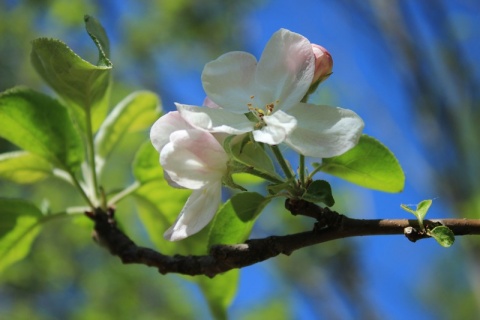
(24, 167)
(220, 291)
(369, 164)
(146, 165)
(443, 235)
(234, 221)
(99, 36)
(19, 227)
(84, 87)
(136, 112)
(39, 124)
(420, 212)
(319, 191)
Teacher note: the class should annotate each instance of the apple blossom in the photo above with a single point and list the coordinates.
(265, 98)
(192, 159)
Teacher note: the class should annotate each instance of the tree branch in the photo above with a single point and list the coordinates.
(330, 226)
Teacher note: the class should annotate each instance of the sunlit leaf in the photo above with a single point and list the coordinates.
(18, 228)
(369, 164)
(234, 221)
(136, 112)
(443, 235)
(39, 124)
(420, 211)
(24, 167)
(84, 87)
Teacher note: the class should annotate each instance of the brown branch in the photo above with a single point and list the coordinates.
(330, 226)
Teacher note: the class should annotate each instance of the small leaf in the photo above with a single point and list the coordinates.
(420, 212)
(99, 36)
(234, 221)
(24, 167)
(319, 191)
(369, 164)
(18, 229)
(39, 124)
(443, 235)
(422, 208)
(84, 87)
(136, 112)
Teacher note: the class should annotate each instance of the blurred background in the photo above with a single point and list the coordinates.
(408, 68)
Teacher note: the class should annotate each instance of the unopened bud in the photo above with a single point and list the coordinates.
(323, 64)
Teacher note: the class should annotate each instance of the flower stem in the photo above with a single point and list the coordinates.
(302, 170)
(263, 175)
(283, 163)
(124, 193)
(91, 153)
(80, 189)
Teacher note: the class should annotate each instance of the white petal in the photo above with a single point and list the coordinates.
(324, 131)
(193, 158)
(215, 120)
(285, 70)
(198, 211)
(279, 125)
(228, 80)
(163, 127)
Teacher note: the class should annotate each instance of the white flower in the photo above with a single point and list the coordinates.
(192, 159)
(270, 92)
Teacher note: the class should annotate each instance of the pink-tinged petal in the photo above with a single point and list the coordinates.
(193, 158)
(324, 131)
(163, 127)
(228, 81)
(198, 211)
(278, 126)
(215, 120)
(207, 102)
(285, 70)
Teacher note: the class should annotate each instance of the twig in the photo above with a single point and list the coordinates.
(330, 226)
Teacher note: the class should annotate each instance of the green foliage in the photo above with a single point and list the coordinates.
(369, 164)
(234, 221)
(420, 211)
(136, 112)
(220, 292)
(18, 229)
(319, 191)
(84, 87)
(442, 234)
(40, 125)
(24, 167)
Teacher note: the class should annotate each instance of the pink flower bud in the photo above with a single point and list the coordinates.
(323, 63)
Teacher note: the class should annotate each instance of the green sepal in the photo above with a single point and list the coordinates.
(40, 125)
(369, 164)
(319, 191)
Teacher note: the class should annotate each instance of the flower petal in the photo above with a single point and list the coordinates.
(198, 211)
(285, 70)
(228, 80)
(215, 120)
(193, 158)
(163, 127)
(324, 131)
(279, 125)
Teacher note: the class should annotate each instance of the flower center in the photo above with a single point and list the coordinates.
(259, 113)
